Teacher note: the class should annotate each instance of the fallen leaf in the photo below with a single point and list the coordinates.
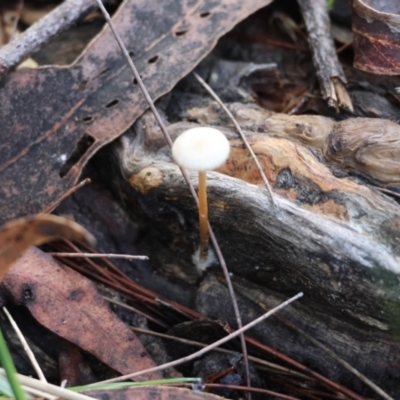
(69, 305)
(377, 36)
(54, 119)
(17, 236)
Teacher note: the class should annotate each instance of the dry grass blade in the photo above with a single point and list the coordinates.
(98, 255)
(51, 207)
(49, 388)
(187, 180)
(239, 129)
(25, 345)
(17, 236)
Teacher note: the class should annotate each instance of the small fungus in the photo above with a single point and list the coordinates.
(201, 149)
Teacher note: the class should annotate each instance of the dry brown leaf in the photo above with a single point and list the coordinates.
(17, 236)
(69, 305)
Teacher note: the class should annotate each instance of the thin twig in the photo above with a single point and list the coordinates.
(387, 191)
(340, 360)
(240, 131)
(256, 360)
(98, 255)
(186, 178)
(51, 207)
(41, 32)
(25, 345)
(258, 299)
(275, 395)
(207, 348)
(135, 310)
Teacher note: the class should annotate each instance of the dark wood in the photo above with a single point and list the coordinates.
(335, 238)
(332, 233)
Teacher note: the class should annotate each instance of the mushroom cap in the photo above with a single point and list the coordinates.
(201, 149)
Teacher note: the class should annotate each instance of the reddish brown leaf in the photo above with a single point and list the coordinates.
(70, 306)
(152, 393)
(48, 113)
(17, 236)
(376, 27)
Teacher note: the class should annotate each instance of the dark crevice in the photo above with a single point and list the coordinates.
(112, 103)
(180, 33)
(81, 148)
(152, 60)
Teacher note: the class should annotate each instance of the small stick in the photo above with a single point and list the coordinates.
(186, 178)
(41, 32)
(276, 367)
(207, 348)
(387, 191)
(135, 310)
(51, 207)
(275, 395)
(98, 255)
(329, 71)
(25, 345)
(239, 129)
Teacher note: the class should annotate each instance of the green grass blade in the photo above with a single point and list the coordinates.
(8, 364)
(119, 385)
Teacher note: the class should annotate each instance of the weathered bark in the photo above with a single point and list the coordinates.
(332, 237)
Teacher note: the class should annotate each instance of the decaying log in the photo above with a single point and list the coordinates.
(335, 238)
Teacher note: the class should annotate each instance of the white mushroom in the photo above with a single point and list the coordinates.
(201, 149)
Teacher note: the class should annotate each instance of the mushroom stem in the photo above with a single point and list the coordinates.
(203, 215)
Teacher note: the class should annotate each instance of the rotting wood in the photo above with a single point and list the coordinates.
(333, 237)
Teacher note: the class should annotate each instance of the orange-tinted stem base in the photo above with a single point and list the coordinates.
(203, 215)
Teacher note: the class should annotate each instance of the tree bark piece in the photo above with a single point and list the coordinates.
(74, 111)
(329, 71)
(376, 27)
(40, 33)
(331, 237)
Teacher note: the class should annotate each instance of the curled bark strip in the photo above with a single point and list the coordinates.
(376, 27)
(329, 71)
